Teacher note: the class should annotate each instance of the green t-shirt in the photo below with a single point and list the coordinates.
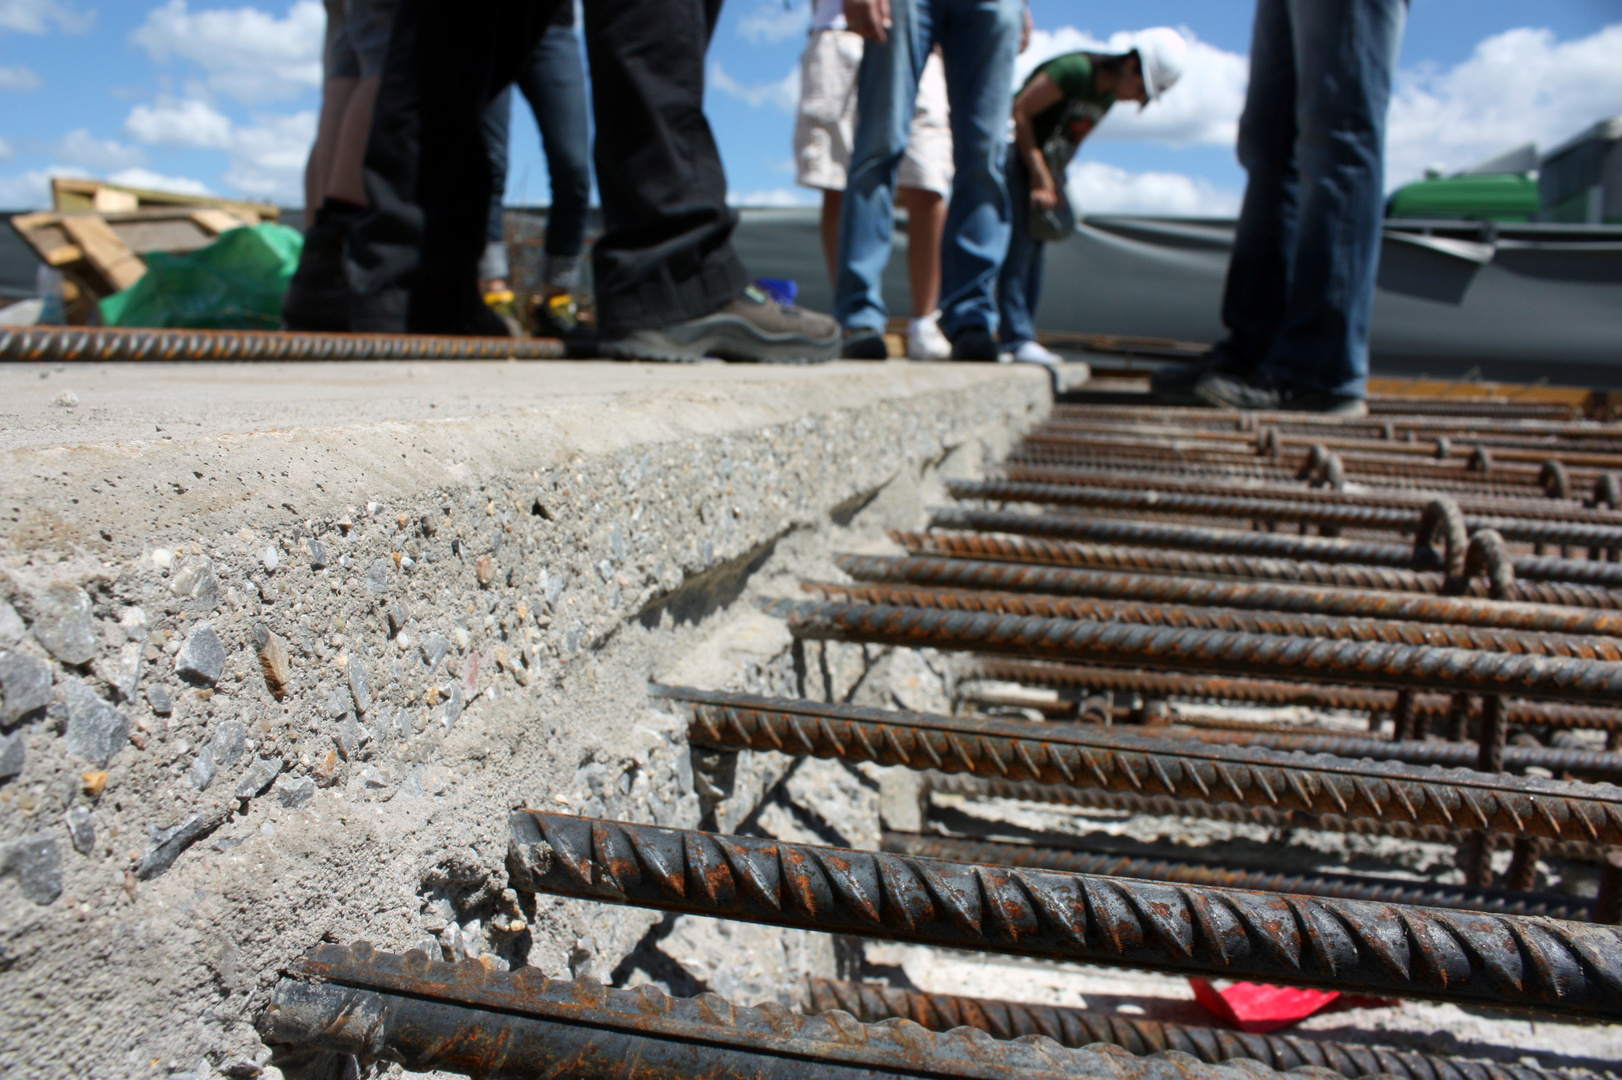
(1060, 128)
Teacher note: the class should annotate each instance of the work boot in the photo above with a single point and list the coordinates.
(974, 343)
(864, 344)
(754, 327)
(1233, 392)
(317, 297)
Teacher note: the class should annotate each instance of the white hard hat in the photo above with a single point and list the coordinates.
(1162, 52)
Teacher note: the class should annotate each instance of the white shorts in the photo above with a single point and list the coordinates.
(825, 126)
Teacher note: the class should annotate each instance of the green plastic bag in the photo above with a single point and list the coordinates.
(235, 283)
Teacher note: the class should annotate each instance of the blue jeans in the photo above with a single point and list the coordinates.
(553, 80)
(978, 40)
(1312, 138)
(1019, 285)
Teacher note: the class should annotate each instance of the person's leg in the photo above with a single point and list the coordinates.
(496, 128)
(979, 41)
(335, 95)
(832, 202)
(1346, 53)
(1015, 306)
(887, 87)
(554, 82)
(345, 181)
(666, 251)
(926, 222)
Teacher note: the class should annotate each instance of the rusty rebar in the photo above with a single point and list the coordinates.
(1161, 684)
(463, 1018)
(1078, 1027)
(66, 344)
(1121, 760)
(1504, 961)
(1560, 421)
(1188, 871)
(1098, 799)
(1255, 596)
(1365, 663)
(1254, 620)
(1402, 520)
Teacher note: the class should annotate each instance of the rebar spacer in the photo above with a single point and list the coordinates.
(1443, 513)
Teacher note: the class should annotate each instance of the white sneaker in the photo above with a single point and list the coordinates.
(925, 340)
(1032, 352)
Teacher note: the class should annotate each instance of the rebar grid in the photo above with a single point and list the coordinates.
(1120, 760)
(1503, 961)
(1077, 1027)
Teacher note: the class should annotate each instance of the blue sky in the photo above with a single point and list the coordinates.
(210, 95)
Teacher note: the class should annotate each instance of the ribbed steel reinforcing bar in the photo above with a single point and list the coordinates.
(976, 787)
(105, 344)
(1505, 961)
(1248, 620)
(1077, 1027)
(1163, 684)
(1170, 561)
(1387, 519)
(1075, 860)
(1367, 663)
(1118, 760)
(462, 1018)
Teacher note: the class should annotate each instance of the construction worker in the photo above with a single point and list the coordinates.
(1058, 107)
(1300, 288)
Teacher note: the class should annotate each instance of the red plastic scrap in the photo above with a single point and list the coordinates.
(1259, 1007)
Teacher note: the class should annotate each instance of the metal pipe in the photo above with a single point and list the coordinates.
(462, 1018)
(1365, 663)
(1077, 1027)
(1119, 760)
(1378, 518)
(1249, 620)
(978, 787)
(1503, 961)
(1160, 684)
(1077, 860)
(64, 344)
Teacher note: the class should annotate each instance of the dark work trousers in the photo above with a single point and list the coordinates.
(666, 253)
(666, 250)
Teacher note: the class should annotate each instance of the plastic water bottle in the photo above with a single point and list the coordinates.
(48, 283)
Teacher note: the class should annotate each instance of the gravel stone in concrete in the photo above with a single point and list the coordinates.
(318, 555)
(96, 731)
(36, 863)
(62, 623)
(202, 658)
(158, 697)
(11, 625)
(359, 688)
(13, 756)
(195, 581)
(121, 671)
(26, 682)
(294, 792)
(377, 578)
(434, 648)
(81, 830)
(258, 777)
(168, 844)
(271, 650)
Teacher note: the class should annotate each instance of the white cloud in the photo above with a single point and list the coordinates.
(1097, 188)
(146, 178)
(1202, 109)
(36, 16)
(21, 79)
(32, 190)
(247, 54)
(784, 94)
(79, 147)
(772, 21)
(187, 122)
(5, 150)
(266, 157)
(775, 197)
(1519, 86)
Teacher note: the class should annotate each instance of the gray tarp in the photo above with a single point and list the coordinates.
(1529, 302)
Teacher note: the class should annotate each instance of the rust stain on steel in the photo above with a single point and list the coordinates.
(1403, 520)
(1252, 620)
(1077, 1027)
(1182, 768)
(1270, 656)
(462, 1018)
(1166, 806)
(1507, 961)
(99, 344)
(1193, 872)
